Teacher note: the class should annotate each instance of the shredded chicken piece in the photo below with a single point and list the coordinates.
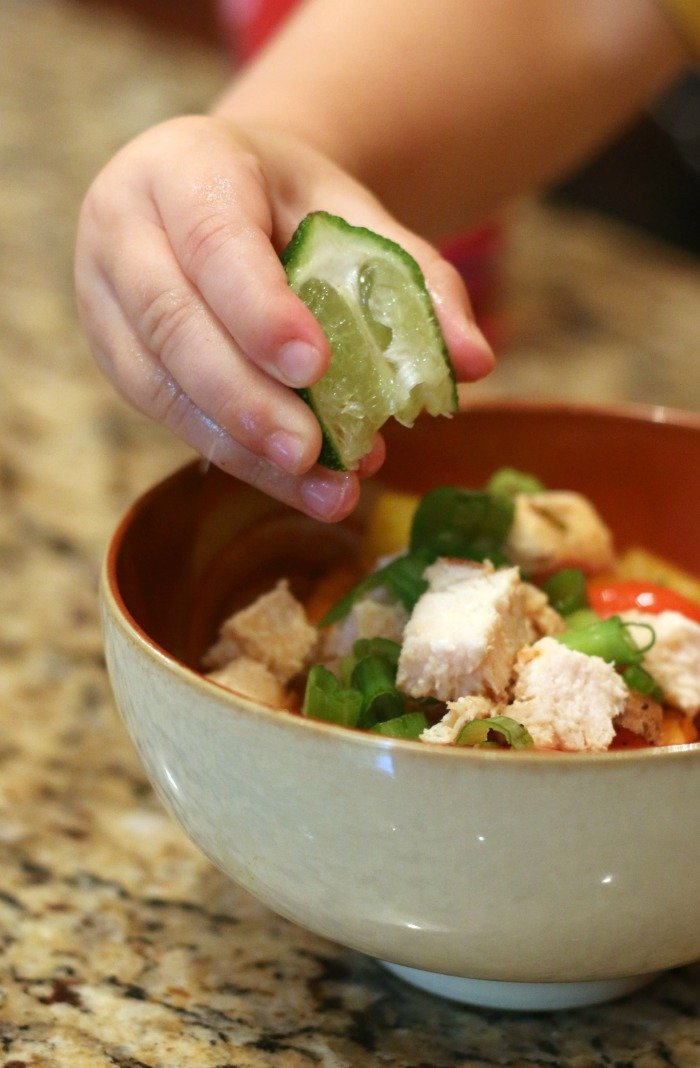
(555, 529)
(566, 699)
(373, 616)
(643, 716)
(674, 658)
(542, 619)
(251, 679)
(464, 632)
(273, 630)
(459, 712)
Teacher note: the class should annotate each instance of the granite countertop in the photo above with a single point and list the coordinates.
(122, 945)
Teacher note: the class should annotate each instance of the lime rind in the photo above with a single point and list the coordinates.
(329, 455)
(388, 355)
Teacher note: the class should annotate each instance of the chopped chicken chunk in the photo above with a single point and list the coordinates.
(251, 679)
(566, 699)
(275, 631)
(224, 650)
(674, 658)
(479, 643)
(541, 618)
(555, 529)
(459, 712)
(643, 716)
(464, 632)
(373, 616)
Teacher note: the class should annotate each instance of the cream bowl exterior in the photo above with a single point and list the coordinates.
(504, 866)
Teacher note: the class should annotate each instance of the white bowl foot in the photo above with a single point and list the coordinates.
(520, 997)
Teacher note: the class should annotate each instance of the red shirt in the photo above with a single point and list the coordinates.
(250, 22)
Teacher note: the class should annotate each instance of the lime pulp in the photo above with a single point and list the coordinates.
(388, 355)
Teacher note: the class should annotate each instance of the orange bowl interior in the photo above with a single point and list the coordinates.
(200, 543)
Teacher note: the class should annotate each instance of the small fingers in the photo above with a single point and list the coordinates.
(172, 321)
(470, 352)
(143, 380)
(373, 460)
(217, 218)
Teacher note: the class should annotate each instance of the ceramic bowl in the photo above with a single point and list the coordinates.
(511, 879)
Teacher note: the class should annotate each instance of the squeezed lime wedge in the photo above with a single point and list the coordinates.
(388, 355)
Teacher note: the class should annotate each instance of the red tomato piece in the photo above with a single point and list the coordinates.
(610, 598)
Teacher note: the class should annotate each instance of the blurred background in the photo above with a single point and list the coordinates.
(592, 293)
(596, 299)
(650, 177)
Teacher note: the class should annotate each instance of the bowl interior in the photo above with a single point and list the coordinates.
(201, 544)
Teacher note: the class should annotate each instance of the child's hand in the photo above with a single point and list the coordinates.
(187, 308)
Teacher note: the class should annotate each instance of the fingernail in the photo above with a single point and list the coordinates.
(286, 450)
(299, 363)
(479, 354)
(325, 497)
(475, 336)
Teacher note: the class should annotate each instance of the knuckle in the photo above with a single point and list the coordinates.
(256, 470)
(270, 328)
(248, 418)
(251, 168)
(165, 318)
(166, 402)
(204, 239)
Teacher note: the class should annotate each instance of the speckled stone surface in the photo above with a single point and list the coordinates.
(121, 945)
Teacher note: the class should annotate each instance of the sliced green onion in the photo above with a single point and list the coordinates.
(583, 617)
(403, 577)
(607, 638)
(409, 725)
(325, 698)
(631, 625)
(639, 679)
(374, 678)
(507, 481)
(384, 647)
(566, 590)
(380, 647)
(478, 733)
(346, 667)
(341, 608)
(469, 524)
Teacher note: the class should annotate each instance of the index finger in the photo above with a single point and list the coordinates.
(217, 216)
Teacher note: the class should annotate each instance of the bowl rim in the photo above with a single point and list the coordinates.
(634, 411)
(114, 603)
